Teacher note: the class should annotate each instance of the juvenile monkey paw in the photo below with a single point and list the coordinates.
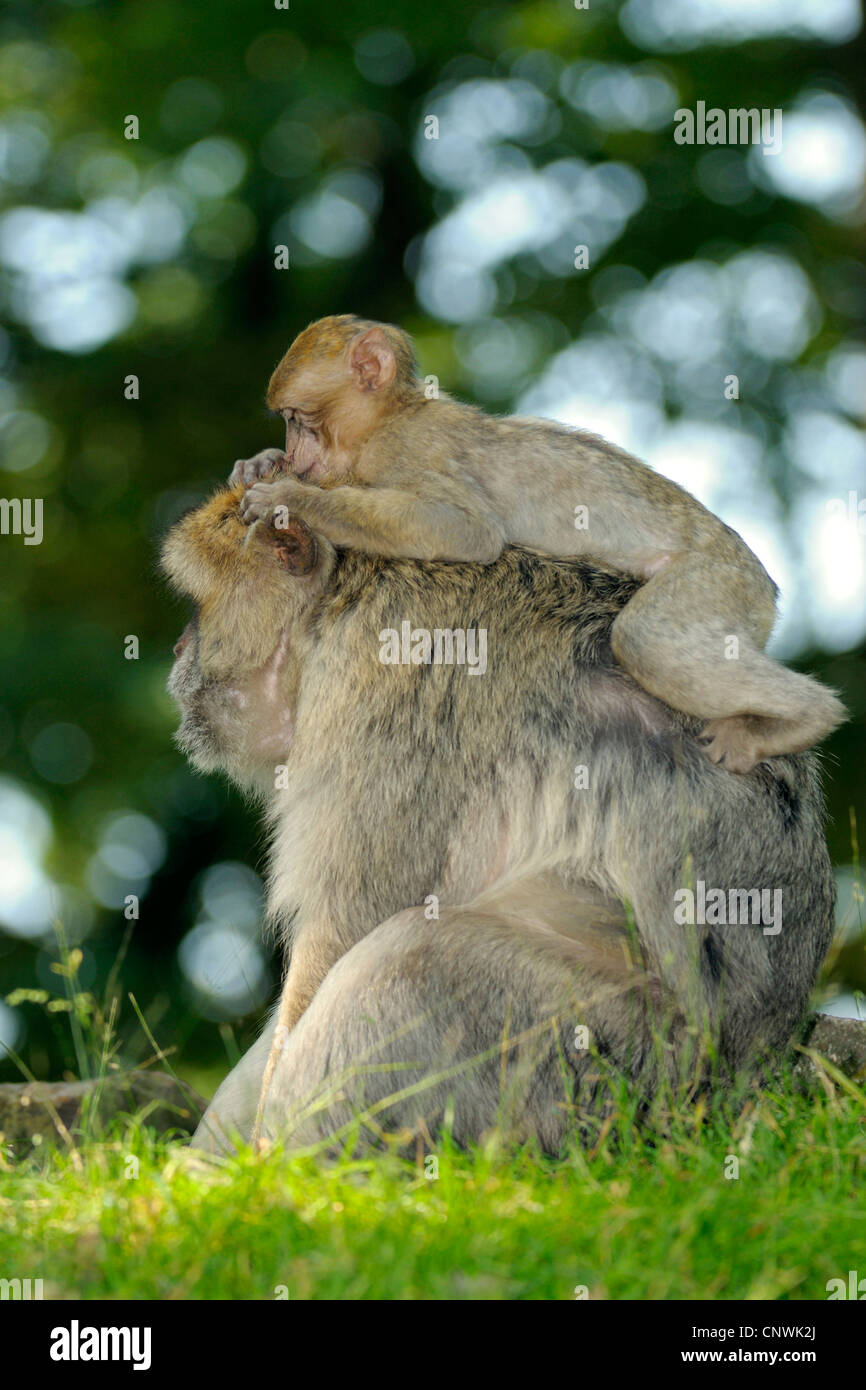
(260, 501)
(734, 742)
(261, 465)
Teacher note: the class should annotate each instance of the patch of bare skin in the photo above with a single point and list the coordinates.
(619, 702)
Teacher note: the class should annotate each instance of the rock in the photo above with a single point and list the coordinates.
(39, 1111)
(841, 1040)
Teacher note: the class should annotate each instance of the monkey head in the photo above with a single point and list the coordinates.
(238, 661)
(339, 379)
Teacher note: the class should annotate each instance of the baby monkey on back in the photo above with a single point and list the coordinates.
(373, 464)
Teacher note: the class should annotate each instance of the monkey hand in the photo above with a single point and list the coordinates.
(260, 502)
(261, 465)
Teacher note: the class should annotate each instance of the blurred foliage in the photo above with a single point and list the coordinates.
(154, 257)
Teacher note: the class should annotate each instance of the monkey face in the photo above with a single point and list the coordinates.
(243, 727)
(304, 449)
(313, 448)
(333, 388)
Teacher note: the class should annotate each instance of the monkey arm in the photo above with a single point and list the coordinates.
(384, 521)
(313, 954)
(250, 470)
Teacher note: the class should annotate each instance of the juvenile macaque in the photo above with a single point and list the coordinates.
(409, 784)
(397, 474)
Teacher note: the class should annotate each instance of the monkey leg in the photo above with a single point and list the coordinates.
(693, 636)
(499, 1022)
(313, 954)
(236, 1110)
(230, 1117)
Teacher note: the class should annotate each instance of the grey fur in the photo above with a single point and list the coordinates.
(404, 782)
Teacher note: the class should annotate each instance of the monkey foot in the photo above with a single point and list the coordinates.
(734, 742)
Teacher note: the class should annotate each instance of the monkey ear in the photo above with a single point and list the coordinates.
(372, 360)
(295, 547)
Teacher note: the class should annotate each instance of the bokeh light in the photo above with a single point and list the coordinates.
(27, 900)
(677, 25)
(220, 956)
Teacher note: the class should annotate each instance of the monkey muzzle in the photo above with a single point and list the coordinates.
(293, 432)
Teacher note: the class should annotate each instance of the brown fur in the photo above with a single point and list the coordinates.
(398, 474)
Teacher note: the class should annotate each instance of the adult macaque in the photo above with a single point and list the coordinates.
(405, 785)
(398, 474)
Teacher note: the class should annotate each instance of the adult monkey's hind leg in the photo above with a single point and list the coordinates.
(675, 637)
(230, 1117)
(474, 1015)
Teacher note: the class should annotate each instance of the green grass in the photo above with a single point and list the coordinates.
(637, 1217)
